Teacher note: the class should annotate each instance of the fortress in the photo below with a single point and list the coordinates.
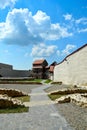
(8, 71)
(73, 69)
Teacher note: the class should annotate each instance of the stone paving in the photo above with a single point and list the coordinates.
(41, 116)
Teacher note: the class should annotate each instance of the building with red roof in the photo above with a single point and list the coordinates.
(39, 68)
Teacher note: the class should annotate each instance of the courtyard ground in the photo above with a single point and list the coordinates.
(43, 113)
(75, 115)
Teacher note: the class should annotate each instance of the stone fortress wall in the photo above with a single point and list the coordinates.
(73, 69)
(8, 71)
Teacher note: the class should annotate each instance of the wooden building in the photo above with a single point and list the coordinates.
(39, 68)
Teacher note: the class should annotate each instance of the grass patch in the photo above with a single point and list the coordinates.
(20, 81)
(14, 110)
(24, 98)
(19, 109)
(54, 97)
(48, 81)
(37, 80)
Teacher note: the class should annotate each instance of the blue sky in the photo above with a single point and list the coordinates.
(36, 29)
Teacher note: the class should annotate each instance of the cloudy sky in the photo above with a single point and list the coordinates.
(36, 29)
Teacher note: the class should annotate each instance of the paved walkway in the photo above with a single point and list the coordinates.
(42, 115)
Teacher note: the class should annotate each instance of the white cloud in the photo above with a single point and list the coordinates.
(67, 16)
(75, 25)
(42, 50)
(5, 3)
(82, 30)
(41, 17)
(18, 28)
(57, 32)
(23, 28)
(82, 20)
(68, 49)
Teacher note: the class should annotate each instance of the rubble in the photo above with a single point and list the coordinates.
(12, 92)
(75, 95)
(78, 99)
(8, 102)
(7, 98)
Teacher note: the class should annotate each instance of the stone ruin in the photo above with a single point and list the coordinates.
(7, 99)
(75, 95)
(78, 99)
(8, 102)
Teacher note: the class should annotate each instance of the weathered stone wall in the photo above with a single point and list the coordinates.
(61, 73)
(20, 73)
(6, 72)
(8, 102)
(7, 99)
(73, 70)
(12, 92)
(6, 66)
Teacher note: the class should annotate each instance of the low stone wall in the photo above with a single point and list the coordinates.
(8, 102)
(12, 92)
(78, 99)
(75, 95)
(69, 91)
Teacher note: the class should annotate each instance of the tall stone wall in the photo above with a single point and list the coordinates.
(73, 69)
(8, 71)
(6, 66)
(61, 72)
(14, 73)
(20, 73)
(4, 72)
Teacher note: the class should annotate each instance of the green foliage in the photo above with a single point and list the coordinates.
(19, 109)
(48, 81)
(15, 110)
(24, 98)
(37, 80)
(54, 97)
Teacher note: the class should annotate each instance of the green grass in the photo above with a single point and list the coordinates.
(14, 110)
(29, 80)
(48, 81)
(37, 80)
(20, 81)
(24, 98)
(54, 97)
(19, 109)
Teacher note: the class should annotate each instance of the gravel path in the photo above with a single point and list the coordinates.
(48, 116)
(75, 115)
(40, 117)
(21, 87)
(56, 87)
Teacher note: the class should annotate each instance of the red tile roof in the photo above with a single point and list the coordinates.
(38, 61)
(37, 67)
